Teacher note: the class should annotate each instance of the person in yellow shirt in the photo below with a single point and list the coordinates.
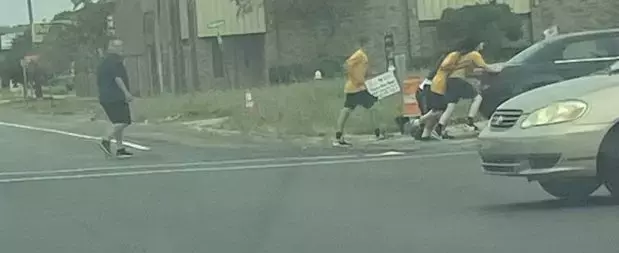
(356, 92)
(449, 85)
(460, 85)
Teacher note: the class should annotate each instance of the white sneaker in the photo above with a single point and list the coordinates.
(471, 128)
(415, 123)
(341, 143)
(436, 136)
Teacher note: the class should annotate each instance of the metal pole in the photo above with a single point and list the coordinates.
(31, 18)
(179, 59)
(32, 35)
(193, 41)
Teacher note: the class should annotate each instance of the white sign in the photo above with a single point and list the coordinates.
(7, 40)
(383, 86)
(249, 101)
(551, 32)
(216, 24)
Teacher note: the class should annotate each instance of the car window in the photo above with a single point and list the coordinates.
(602, 47)
(528, 54)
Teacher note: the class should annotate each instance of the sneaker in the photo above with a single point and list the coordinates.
(341, 143)
(446, 136)
(123, 153)
(435, 135)
(382, 135)
(472, 127)
(106, 147)
(416, 123)
(429, 138)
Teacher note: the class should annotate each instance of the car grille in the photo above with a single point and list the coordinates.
(505, 118)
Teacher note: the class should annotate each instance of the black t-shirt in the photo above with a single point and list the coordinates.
(111, 67)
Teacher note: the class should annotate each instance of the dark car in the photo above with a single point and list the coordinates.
(552, 60)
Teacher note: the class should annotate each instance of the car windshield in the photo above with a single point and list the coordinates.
(526, 54)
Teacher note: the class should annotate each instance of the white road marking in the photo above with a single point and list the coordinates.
(175, 165)
(81, 136)
(226, 168)
(390, 153)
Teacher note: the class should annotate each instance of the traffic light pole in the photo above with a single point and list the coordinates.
(389, 50)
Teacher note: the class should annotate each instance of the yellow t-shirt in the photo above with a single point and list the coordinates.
(356, 67)
(467, 64)
(455, 65)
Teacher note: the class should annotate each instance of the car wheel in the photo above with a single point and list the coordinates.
(608, 161)
(573, 189)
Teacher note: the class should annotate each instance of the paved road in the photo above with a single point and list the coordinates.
(414, 203)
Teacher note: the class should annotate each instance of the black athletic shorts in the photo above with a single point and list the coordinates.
(117, 112)
(421, 97)
(435, 101)
(362, 98)
(457, 89)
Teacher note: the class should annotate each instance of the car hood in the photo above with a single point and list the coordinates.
(571, 89)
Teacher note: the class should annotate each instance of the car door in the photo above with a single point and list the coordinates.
(584, 56)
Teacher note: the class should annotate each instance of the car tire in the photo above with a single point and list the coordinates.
(608, 161)
(572, 189)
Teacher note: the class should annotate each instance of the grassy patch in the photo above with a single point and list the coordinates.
(305, 108)
(309, 108)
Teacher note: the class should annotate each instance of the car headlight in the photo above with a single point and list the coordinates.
(556, 113)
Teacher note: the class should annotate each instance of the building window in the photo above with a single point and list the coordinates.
(218, 60)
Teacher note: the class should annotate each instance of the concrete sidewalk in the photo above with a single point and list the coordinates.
(190, 135)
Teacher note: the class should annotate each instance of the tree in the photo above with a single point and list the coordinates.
(492, 23)
(10, 67)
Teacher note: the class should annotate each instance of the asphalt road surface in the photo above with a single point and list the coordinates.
(59, 195)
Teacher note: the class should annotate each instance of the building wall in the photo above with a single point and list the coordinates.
(574, 15)
(150, 55)
(291, 42)
(297, 42)
(241, 63)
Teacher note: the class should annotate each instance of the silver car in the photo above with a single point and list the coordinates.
(564, 136)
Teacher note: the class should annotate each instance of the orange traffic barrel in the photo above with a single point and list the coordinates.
(410, 106)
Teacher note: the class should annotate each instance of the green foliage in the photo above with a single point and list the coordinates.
(67, 43)
(10, 68)
(492, 23)
(64, 43)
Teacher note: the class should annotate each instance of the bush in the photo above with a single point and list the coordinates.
(491, 23)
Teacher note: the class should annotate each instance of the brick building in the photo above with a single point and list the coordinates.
(574, 15)
(276, 35)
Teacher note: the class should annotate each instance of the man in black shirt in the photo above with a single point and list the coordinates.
(114, 97)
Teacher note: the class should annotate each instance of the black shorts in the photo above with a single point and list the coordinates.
(361, 98)
(117, 112)
(458, 89)
(435, 101)
(421, 97)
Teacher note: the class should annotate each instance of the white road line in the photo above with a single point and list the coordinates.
(81, 136)
(209, 163)
(219, 169)
(174, 165)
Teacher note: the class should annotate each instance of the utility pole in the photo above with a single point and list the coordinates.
(192, 25)
(31, 18)
(24, 64)
(177, 48)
